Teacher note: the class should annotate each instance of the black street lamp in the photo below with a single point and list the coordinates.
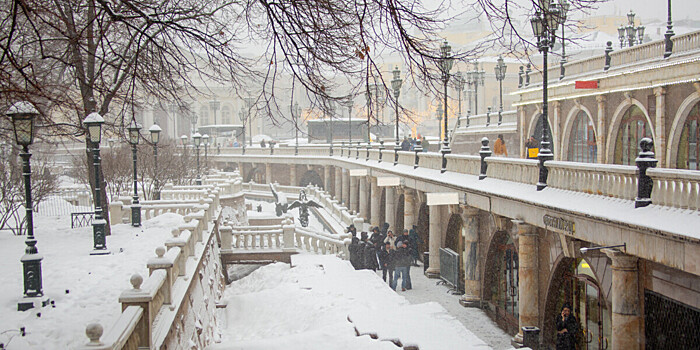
(668, 44)
(331, 109)
(564, 9)
(396, 85)
(155, 137)
(214, 105)
(22, 115)
(349, 104)
(134, 135)
(500, 70)
(459, 83)
(183, 138)
(446, 61)
(633, 35)
(544, 25)
(296, 113)
(93, 122)
(476, 78)
(206, 142)
(197, 139)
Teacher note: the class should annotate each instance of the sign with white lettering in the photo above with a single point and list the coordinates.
(559, 224)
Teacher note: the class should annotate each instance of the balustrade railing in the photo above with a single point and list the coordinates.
(617, 181)
(675, 188)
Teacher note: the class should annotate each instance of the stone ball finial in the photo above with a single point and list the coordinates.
(160, 251)
(94, 332)
(175, 232)
(609, 43)
(136, 281)
(646, 144)
(484, 141)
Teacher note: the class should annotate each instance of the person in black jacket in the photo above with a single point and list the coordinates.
(402, 261)
(386, 260)
(371, 261)
(567, 328)
(355, 256)
(403, 237)
(376, 236)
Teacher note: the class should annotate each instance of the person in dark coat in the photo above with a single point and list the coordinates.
(385, 228)
(386, 260)
(405, 144)
(413, 241)
(402, 262)
(401, 238)
(371, 262)
(376, 236)
(354, 251)
(567, 328)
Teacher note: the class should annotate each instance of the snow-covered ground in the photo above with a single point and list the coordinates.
(84, 287)
(323, 303)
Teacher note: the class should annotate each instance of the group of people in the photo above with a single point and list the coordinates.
(409, 144)
(382, 250)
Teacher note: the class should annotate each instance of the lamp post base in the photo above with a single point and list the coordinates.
(100, 252)
(27, 303)
(136, 215)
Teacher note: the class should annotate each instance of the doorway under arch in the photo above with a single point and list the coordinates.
(500, 290)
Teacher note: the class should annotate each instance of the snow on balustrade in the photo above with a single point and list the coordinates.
(617, 181)
(675, 188)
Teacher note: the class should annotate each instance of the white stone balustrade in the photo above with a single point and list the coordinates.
(675, 188)
(149, 295)
(464, 164)
(257, 239)
(511, 169)
(167, 264)
(120, 336)
(181, 194)
(617, 181)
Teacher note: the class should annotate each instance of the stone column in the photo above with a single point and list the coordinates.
(338, 188)
(660, 129)
(523, 136)
(327, 178)
(353, 193)
(293, 175)
(626, 306)
(528, 286)
(434, 241)
(556, 146)
(408, 205)
(346, 188)
(390, 208)
(375, 204)
(268, 173)
(363, 208)
(601, 133)
(472, 284)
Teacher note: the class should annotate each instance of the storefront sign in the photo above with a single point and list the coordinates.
(559, 224)
(586, 84)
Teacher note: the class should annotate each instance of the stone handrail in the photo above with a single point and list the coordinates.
(508, 118)
(121, 336)
(459, 163)
(653, 50)
(617, 181)
(675, 188)
(183, 194)
(318, 242)
(511, 169)
(257, 239)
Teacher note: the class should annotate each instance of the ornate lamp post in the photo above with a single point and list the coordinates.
(155, 137)
(446, 62)
(296, 113)
(633, 35)
(564, 9)
(134, 134)
(206, 142)
(500, 70)
(214, 105)
(459, 83)
(396, 85)
(22, 115)
(476, 77)
(331, 109)
(668, 44)
(93, 122)
(544, 25)
(183, 138)
(197, 139)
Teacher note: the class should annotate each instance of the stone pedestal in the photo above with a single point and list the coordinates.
(626, 306)
(528, 287)
(375, 204)
(472, 280)
(268, 173)
(434, 240)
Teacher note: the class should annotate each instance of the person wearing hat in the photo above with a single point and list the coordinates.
(567, 329)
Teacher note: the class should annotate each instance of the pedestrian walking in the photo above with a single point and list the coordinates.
(499, 147)
(402, 262)
(386, 260)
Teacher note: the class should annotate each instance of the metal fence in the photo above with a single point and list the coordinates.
(449, 267)
(64, 203)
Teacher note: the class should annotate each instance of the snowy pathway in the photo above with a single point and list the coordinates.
(474, 319)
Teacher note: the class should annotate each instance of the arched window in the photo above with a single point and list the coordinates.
(633, 128)
(689, 146)
(225, 115)
(582, 141)
(538, 132)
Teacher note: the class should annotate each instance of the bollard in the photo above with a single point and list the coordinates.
(357, 155)
(644, 161)
(484, 152)
(381, 149)
(418, 148)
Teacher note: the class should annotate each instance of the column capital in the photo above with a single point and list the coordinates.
(468, 211)
(659, 91)
(522, 227)
(621, 260)
(601, 98)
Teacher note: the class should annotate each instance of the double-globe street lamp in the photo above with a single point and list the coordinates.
(544, 25)
(396, 86)
(633, 35)
(22, 115)
(155, 137)
(197, 139)
(564, 9)
(459, 83)
(500, 70)
(93, 122)
(134, 135)
(446, 62)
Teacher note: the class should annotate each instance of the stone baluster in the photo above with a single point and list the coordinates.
(483, 153)
(161, 262)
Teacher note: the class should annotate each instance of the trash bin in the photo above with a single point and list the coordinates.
(426, 261)
(531, 337)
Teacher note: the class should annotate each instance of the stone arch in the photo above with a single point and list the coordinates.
(455, 241)
(311, 177)
(615, 127)
(569, 124)
(563, 270)
(674, 135)
(491, 279)
(534, 118)
(255, 172)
